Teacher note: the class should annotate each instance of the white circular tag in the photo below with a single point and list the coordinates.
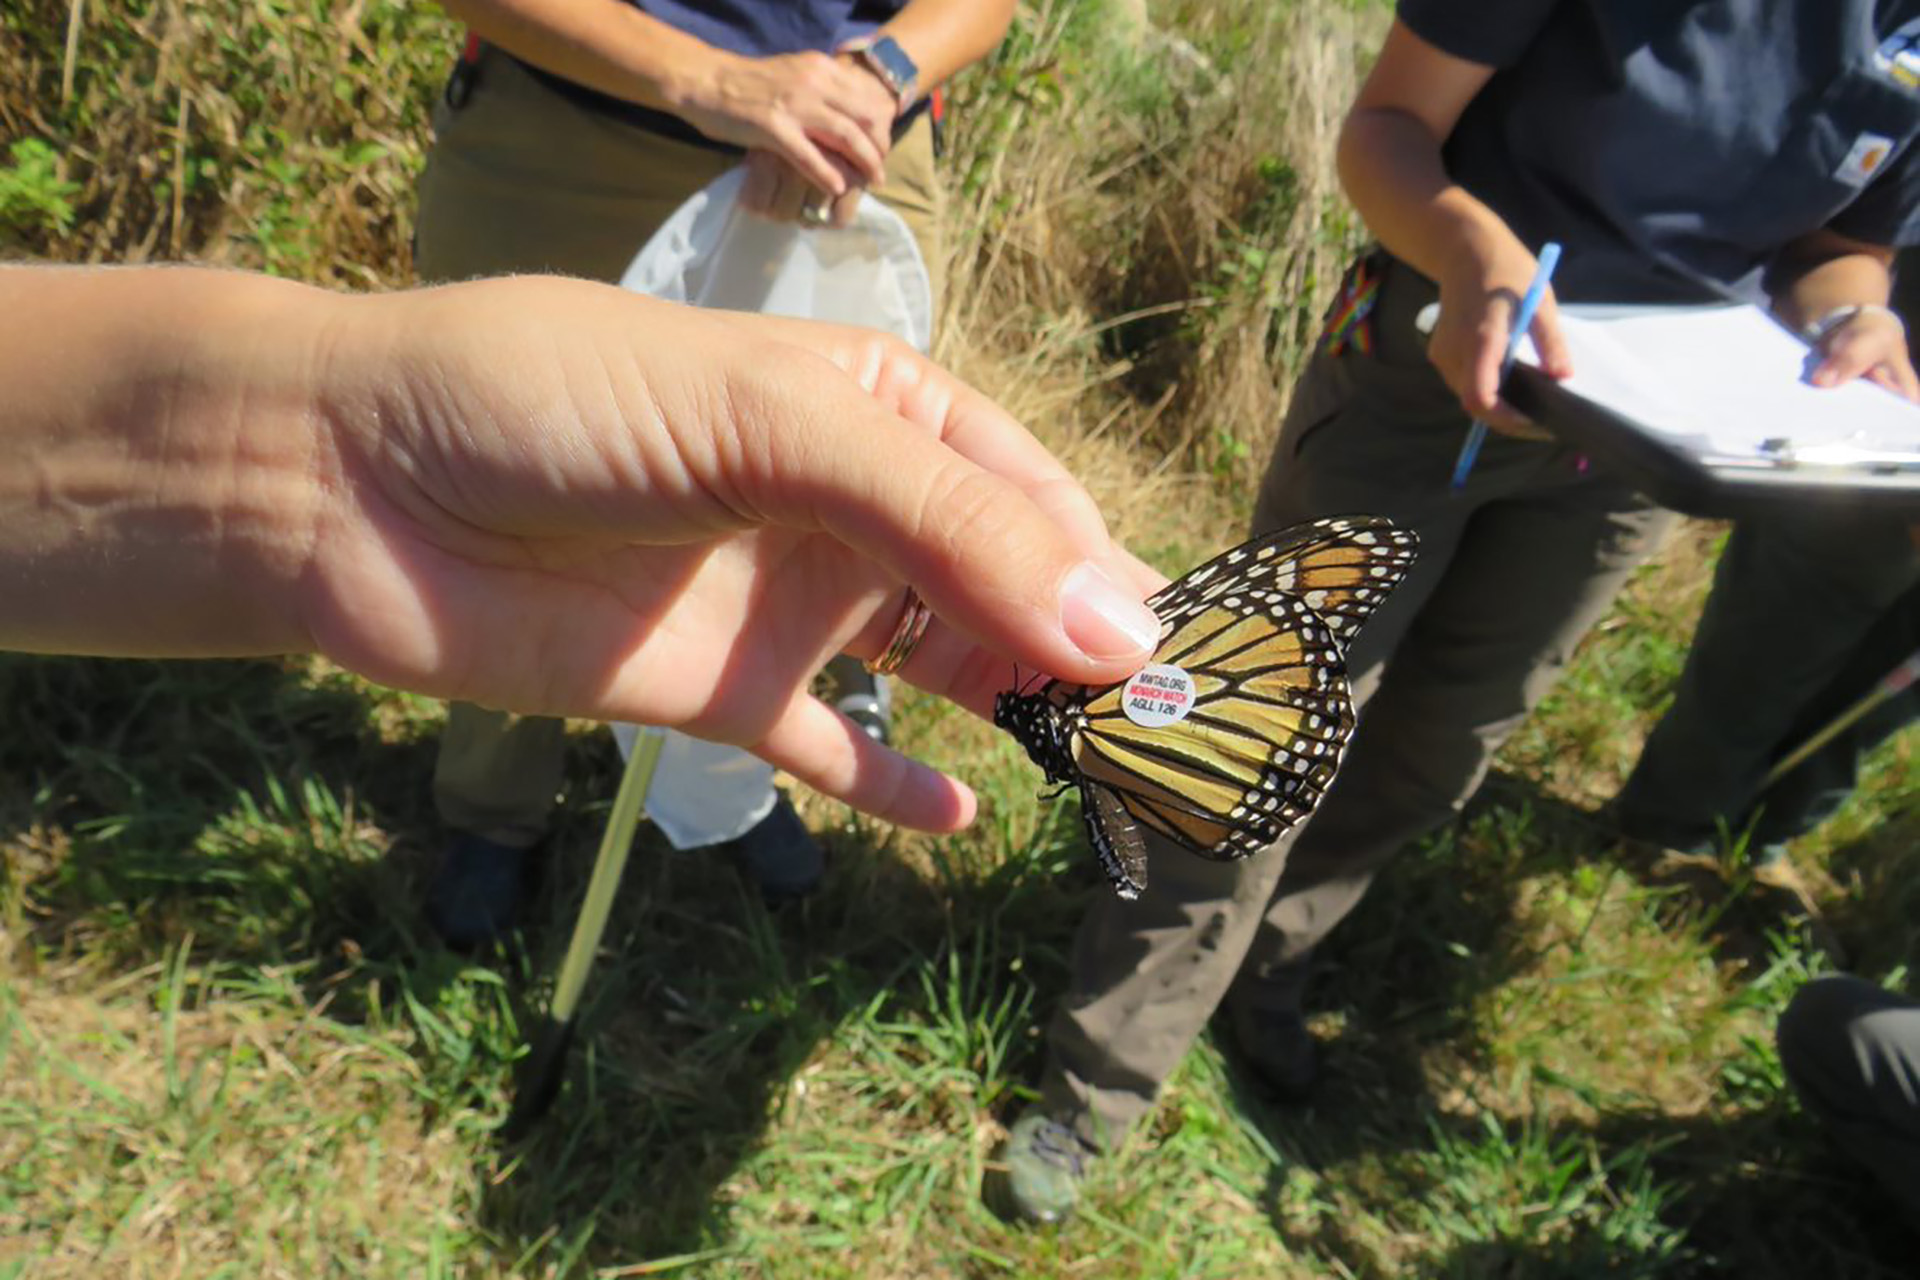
(1157, 696)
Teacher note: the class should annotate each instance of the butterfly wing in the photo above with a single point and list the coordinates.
(1116, 839)
(1341, 567)
(1269, 718)
(1261, 631)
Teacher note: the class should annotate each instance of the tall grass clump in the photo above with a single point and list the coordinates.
(1148, 218)
(283, 135)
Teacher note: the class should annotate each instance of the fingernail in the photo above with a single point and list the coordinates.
(1102, 618)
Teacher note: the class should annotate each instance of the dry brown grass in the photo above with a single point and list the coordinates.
(1148, 237)
(277, 136)
(172, 1129)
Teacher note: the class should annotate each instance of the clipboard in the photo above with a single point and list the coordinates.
(1700, 483)
(1707, 411)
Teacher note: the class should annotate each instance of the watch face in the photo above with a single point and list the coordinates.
(893, 64)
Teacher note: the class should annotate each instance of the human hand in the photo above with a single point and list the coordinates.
(1478, 301)
(775, 190)
(827, 117)
(1872, 344)
(555, 497)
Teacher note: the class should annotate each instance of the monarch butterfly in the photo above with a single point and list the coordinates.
(1232, 734)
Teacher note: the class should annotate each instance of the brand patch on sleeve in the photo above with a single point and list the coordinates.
(1866, 157)
(1898, 57)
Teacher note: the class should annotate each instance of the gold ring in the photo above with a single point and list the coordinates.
(813, 215)
(914, 617)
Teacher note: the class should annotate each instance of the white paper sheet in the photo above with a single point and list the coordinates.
(1729, 382)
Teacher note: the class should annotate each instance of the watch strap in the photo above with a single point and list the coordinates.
(883, 56)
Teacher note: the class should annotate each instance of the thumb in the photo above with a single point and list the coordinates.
(1556, 358)
(1850, 352)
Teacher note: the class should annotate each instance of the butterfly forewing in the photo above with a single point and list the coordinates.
(1341, 567)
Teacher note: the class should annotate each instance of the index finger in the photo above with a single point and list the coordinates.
(1550, 340)
(965, 420)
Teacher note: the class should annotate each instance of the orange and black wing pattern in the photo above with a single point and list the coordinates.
(1233, 733)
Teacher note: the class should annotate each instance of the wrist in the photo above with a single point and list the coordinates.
(883, 58)
(1474, 250)
(696, 83)
(256, 375)
(176, 472)
(1817, 331)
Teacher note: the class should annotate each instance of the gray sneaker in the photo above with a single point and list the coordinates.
(1046, 1161)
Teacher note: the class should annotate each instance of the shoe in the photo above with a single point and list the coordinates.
(865, 699)
(1278, 1046)
(870, 713)
(478, 893)
(780, 855)
(1045, 1164)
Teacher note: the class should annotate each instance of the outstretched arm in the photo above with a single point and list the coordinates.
(540, 494)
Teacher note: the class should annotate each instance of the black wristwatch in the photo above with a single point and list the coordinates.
(885, 58)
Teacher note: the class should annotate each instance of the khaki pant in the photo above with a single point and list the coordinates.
(1511, 574)
(522, 179)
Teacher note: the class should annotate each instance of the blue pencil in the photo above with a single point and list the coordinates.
(1522, 321)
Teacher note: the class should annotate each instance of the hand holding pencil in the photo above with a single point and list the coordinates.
(1522, 321)
(1480, 299)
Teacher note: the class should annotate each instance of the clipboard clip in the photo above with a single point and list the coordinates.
(1779, 451)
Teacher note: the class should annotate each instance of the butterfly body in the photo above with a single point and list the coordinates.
(1234, 732)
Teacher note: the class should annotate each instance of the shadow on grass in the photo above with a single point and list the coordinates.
(708, 1016)
(1754, 1195)
(276, 817)
(269, 813)
(1399, 979)
(1756, 1192)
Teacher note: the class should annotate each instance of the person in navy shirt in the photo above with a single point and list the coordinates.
(1758, 149)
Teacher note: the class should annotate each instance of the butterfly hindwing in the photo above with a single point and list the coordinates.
(1115, 838)
(1269, 719)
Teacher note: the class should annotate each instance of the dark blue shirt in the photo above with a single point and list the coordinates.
(1674, 146)
(756, 28)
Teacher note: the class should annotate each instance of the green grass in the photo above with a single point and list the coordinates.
(228, 1047)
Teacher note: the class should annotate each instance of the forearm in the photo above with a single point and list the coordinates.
(603, 44)
(154, 501)
(1817, 275)
(944, 37)
(1391, 169)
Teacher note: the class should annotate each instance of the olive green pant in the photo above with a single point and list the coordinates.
(523, 179)
(1511, 574)
(1811, 608)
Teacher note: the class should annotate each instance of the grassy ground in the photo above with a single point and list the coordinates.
(230, 1048)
